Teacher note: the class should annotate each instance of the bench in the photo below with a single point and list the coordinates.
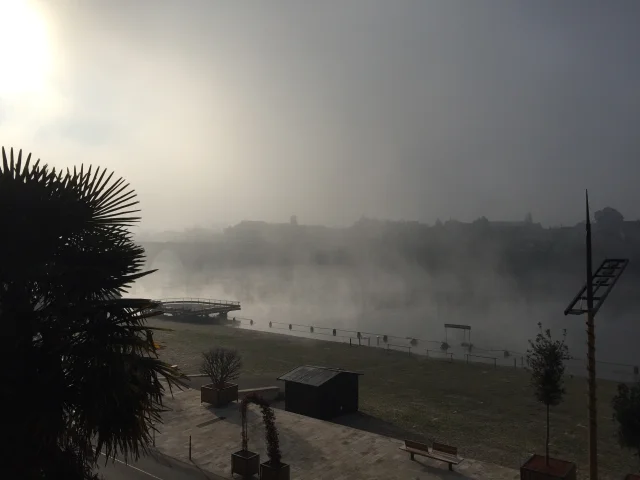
(438, 451)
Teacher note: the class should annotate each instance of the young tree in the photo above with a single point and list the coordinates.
(84, 376)
(546, 358)
(221, 365)
(626, 411)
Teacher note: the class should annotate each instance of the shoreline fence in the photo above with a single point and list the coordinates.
(432, 349)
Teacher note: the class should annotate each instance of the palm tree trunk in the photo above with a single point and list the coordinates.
(547, 442)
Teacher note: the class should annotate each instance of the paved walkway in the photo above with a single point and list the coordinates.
(152, 466)
(316, 450)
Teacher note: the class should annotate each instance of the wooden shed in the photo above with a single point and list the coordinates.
(320, 392)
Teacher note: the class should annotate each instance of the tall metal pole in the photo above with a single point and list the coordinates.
(591, 360)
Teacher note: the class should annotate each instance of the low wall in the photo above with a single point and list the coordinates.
(268, 393)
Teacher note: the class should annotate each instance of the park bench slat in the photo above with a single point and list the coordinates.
(439, 451)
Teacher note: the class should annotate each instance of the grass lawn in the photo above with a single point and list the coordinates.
(490, 414)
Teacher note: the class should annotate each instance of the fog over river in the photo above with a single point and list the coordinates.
(404, 304)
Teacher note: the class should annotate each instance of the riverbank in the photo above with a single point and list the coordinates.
(489, 413)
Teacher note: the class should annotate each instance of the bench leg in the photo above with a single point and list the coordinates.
(411, 455)
(451, 467)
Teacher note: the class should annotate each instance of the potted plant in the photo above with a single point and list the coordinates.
(546, 359)
(245, 462)
(221, 365)
(626, 411)
(274, 468)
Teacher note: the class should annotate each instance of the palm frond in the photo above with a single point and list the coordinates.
(65, 254)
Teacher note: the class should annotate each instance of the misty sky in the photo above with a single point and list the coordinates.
(218, 111)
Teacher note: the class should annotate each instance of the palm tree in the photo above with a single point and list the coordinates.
(80, 373)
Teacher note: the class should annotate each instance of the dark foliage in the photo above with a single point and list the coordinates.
(271, 435)
(248, 399)
(271, 431)
(221, 365)
(545, 358)
(608, 218)
(84, 377)
(626, 411)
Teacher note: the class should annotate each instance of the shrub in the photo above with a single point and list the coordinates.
(626, 411)
(221, 365)
(271, 431)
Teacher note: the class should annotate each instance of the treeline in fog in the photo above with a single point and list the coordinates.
(406, 277)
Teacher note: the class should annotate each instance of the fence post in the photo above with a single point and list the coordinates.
(189, 447)
(349, 341)
(359, 341)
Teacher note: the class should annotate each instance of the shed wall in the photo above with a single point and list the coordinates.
(301, 399)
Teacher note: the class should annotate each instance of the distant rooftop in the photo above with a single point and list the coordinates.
(312, 375)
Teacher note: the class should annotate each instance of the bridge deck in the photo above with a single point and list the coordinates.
(197, 306)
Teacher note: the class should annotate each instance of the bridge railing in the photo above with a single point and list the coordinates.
(204, 301)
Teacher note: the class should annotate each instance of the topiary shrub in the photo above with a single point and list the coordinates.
(271, 431)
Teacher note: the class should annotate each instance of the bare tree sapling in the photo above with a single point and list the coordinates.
(546, 358)
(221, 365)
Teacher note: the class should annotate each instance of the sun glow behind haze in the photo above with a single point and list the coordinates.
(25, 54)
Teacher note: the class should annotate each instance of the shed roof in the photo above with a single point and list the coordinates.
(312, 375)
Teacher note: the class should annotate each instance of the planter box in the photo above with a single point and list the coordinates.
(219, 397)
(536, 469)
(268, 472)
(245, 463)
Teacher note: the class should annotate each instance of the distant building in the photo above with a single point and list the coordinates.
(320, 392)
(514, 223)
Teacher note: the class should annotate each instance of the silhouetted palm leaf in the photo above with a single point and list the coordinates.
(84, 363)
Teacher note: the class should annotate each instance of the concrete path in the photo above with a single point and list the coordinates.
(154, 466)
(316, 450)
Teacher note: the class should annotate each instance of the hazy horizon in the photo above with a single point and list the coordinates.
(218, 227)
(217, 112)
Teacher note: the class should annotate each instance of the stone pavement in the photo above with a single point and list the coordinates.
(316, 450)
